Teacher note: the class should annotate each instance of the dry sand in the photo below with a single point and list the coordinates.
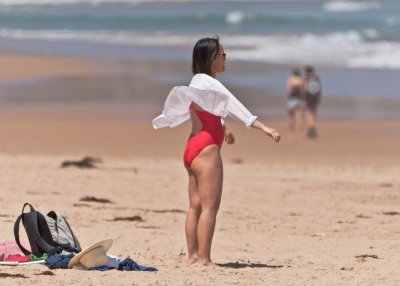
(293, 213)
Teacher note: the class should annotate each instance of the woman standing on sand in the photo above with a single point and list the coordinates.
(205, 101)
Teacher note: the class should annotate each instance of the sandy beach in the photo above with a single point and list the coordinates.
(300, 212)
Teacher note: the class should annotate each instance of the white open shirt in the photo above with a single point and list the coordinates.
(210, 95)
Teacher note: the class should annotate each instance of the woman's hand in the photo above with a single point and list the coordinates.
(272, 133)
(267, 130)
(229, 137)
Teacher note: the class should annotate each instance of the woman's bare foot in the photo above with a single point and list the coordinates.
(193, 260)
(207, 262)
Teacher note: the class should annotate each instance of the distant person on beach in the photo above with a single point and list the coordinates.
(205, 102)
(313, 92)
(295, 101)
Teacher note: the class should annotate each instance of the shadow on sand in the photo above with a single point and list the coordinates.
(238, 265)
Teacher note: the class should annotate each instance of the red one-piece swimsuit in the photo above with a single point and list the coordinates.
(211, 133)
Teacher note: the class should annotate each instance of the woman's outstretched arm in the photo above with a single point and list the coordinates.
(267, 130)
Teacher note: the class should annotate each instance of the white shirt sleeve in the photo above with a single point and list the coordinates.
(235, 109)
(238, 112)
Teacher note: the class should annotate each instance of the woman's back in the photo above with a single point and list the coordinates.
(206, 130)
(207, 122)
(295, 87)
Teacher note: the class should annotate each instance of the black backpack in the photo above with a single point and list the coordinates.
(313, 91)
(46, 234)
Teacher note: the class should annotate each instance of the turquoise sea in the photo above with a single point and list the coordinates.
(352, 34)
(355, 45)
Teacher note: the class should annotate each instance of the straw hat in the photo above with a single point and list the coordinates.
(93, 256)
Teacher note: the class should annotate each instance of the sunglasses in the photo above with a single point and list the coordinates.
(223, 54)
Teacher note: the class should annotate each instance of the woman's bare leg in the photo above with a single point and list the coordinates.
(192, 219)
(299, 114)
(291, 121)
(310, 118)
(208, 170)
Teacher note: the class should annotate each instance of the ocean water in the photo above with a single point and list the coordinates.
(350, 34)
(354, 44)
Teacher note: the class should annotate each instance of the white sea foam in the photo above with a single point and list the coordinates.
(371, 33)
(340, 49)
(331, 49)
(350, 6)
(235, 17)
(101, 37)
(344, 49)
(380, 55)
